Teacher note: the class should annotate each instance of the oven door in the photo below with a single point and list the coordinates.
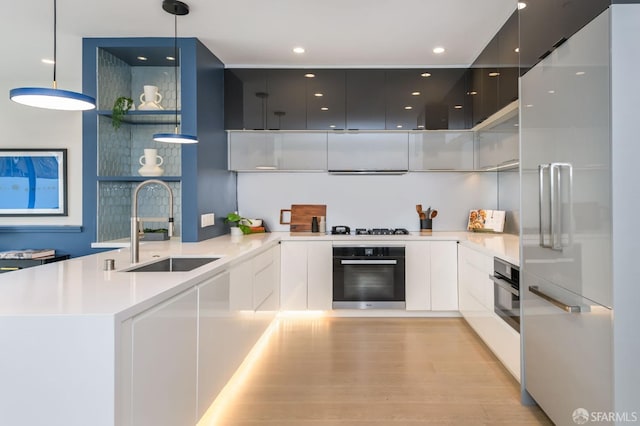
(373, 281)
(506, 301)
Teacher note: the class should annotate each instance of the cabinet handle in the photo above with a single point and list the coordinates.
(568, 308)
(559, 42)
(541, 196)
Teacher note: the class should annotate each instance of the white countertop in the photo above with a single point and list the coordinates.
(80, 286)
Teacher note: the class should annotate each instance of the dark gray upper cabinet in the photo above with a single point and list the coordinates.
(365, 99)
(286, 100)
(325, 112)
(546, 24)
(245, 100)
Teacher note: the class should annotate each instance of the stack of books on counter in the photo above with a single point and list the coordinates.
(27, 253)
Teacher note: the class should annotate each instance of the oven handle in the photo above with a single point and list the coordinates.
(504, 285)
(368, 262)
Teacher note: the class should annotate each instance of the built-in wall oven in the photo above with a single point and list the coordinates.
(506, 292)
(368, 277)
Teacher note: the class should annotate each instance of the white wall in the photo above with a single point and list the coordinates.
(369, 201)
(27, 31)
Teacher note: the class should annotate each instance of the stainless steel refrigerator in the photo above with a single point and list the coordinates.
(566, 264)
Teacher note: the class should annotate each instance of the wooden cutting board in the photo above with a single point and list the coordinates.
(301, 215)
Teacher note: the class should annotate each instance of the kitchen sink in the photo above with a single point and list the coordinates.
(174, 264)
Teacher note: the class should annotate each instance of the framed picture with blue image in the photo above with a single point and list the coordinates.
(33, 182)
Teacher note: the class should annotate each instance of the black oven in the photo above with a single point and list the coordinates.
(506, 292)
(368, 277)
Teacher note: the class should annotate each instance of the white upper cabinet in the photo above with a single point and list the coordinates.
(441, 150)
(285, 151)
(497, 141)
(368, 151)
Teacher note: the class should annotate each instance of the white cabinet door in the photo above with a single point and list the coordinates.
(498, 144)
(263, 150)
(319, 275)
(264, 279)
(293, 283)
(368, 151)
(241, 291)
(216, 324)
(164, 360)
(444, 276)
(441, 150)
(417, 275)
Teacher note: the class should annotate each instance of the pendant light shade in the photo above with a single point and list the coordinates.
(175, 8)
(52, 98)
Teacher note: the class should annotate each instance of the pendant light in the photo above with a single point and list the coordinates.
(52, 98)
(175, 8)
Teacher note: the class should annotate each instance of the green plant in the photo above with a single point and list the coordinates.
(235, 219)
(121, 106)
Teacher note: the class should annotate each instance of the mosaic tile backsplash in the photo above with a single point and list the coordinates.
(114, 208)
(119, 150)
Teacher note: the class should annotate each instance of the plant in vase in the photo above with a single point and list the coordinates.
(121, 106)
(238, 221)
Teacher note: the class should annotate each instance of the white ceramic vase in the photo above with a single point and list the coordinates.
(150, 99)
(151, 163)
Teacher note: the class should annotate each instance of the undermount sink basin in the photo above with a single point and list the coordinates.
(174, 264)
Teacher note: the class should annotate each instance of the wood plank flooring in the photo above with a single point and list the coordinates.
(373, 371)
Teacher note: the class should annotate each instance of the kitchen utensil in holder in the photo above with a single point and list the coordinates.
(426, 226)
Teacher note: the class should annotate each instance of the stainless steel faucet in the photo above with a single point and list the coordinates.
(135, 232)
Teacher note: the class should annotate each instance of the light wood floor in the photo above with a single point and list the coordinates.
(372, 371)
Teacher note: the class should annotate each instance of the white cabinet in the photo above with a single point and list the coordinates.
(497, 142)
(307, 277)
(441, 150)
(417, 275)
(368, 151)
(163, 364)
(284, 151)
(431, 280)
(254, 282)
(476, 306)
(444, 275)
(216, 324)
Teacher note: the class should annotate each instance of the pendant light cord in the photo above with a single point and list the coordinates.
(175, 58)
(55, 42)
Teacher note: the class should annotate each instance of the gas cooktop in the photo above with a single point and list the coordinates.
(381, 231)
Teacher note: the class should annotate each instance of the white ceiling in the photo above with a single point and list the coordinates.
(335, 33)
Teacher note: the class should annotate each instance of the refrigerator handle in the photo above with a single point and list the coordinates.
(541, 196)
(557, 213)
(568, 308)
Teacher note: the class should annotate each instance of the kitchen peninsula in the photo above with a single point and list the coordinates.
(81, 342)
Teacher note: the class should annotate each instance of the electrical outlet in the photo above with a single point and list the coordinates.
(207, 219)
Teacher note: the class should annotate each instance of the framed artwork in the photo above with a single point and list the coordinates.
(33, 182)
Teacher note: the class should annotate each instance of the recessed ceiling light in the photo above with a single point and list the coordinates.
(333, 126)
(425, 74)
(517, 50)
(494, 74)
(551, 91)
(408, 107)
(298, 50)
(309, 75)
(318, 94)
(142, 58)
(529, 105)
(399, 126)
(516, 125)
(48, 61)
(472, 93)
(521, 5)
(170, 58)
(415, 93)
(438, 50)
(580, 73)
(457, 106)
(324, 109)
